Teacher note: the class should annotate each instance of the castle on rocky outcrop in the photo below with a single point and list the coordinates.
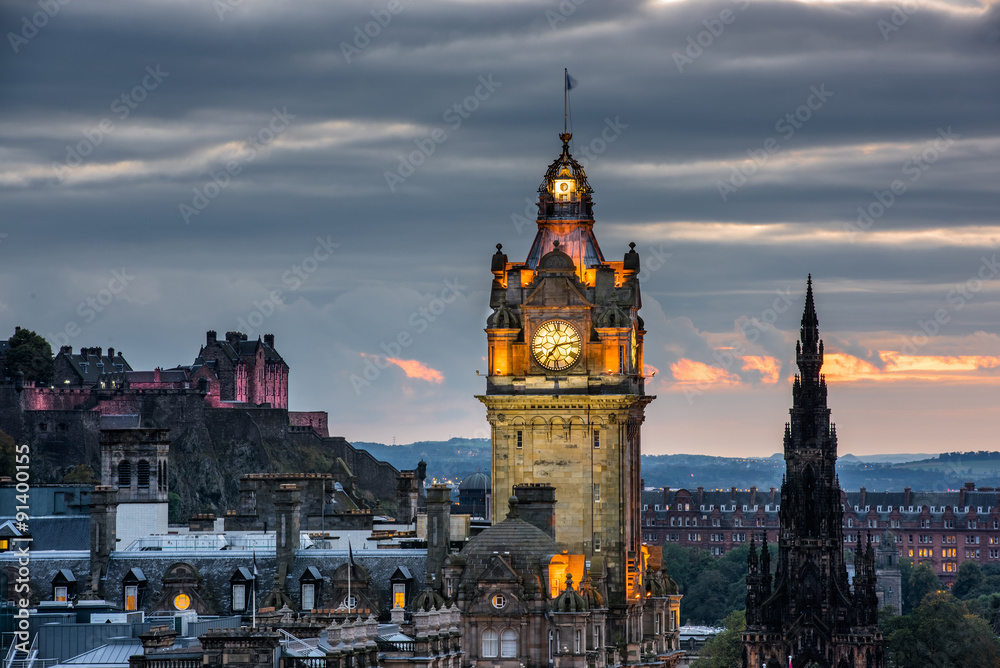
(227, 413)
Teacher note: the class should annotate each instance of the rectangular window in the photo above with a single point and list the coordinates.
(597, 492)
(61, 594)
(520, 439)
(239, 597)
(597, 439)
(308, 596)
(597, 541)
(398, 595)
(621, 359)
(131, 598)
(578, 642)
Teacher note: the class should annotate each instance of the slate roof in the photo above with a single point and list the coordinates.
(115, 653)
(69, 532)
(86, 365)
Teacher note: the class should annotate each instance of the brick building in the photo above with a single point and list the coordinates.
(941, 529)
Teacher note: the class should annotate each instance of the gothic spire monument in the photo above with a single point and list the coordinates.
(811, 613)
(564, 392)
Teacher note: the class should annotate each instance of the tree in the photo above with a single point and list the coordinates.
(922, 581)
(81, 473)
(941, 632)
(29, 354)
(725, 649)
(970, 577)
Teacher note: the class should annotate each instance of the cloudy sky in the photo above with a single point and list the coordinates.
(338, 174)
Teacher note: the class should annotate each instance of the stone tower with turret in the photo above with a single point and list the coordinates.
(564, 387)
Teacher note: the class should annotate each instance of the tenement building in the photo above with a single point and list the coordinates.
(806, 613)
(940, 529)
(565, 403)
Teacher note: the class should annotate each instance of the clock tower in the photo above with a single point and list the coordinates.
(564, 387)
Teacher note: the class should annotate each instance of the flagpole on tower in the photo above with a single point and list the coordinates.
(569, 83)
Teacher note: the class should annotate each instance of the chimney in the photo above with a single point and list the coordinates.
(701, 495)
(66, 350)
(753, 496)
(158, 637)
(862, 496)
(906, 496)
(210, 337)
(770, 497)
(111, 353)
(666, 496)
(99, 351)
(103, 533)
(269, 341)
(287, 503)
(156, 375)
(16, 329)
(732, 494)
(536, 504)
(438, 529)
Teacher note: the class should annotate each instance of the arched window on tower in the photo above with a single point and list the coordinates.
(508, 643)
(142, 474)
(124, 474)
(490, 644)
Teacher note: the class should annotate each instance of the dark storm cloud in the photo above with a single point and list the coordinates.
(355, 108)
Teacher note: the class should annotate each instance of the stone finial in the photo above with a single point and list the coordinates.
(512, 505)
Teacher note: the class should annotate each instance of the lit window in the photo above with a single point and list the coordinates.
(508, 643)
(131, 598)
(61, 594)
(490, 644)
(499, 601)
(399, 595)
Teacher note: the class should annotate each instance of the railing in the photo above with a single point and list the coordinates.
(394, 645)
(153, 662)
(302, 662)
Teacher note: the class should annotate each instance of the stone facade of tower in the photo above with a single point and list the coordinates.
(564, 393)
(807, 609)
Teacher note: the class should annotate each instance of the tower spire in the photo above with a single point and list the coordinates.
(809, 350)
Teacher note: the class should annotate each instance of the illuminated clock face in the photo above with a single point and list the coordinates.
(182, 602)
(556, 345)
(564, 186)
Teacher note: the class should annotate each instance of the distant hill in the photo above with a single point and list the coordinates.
(452, 460)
